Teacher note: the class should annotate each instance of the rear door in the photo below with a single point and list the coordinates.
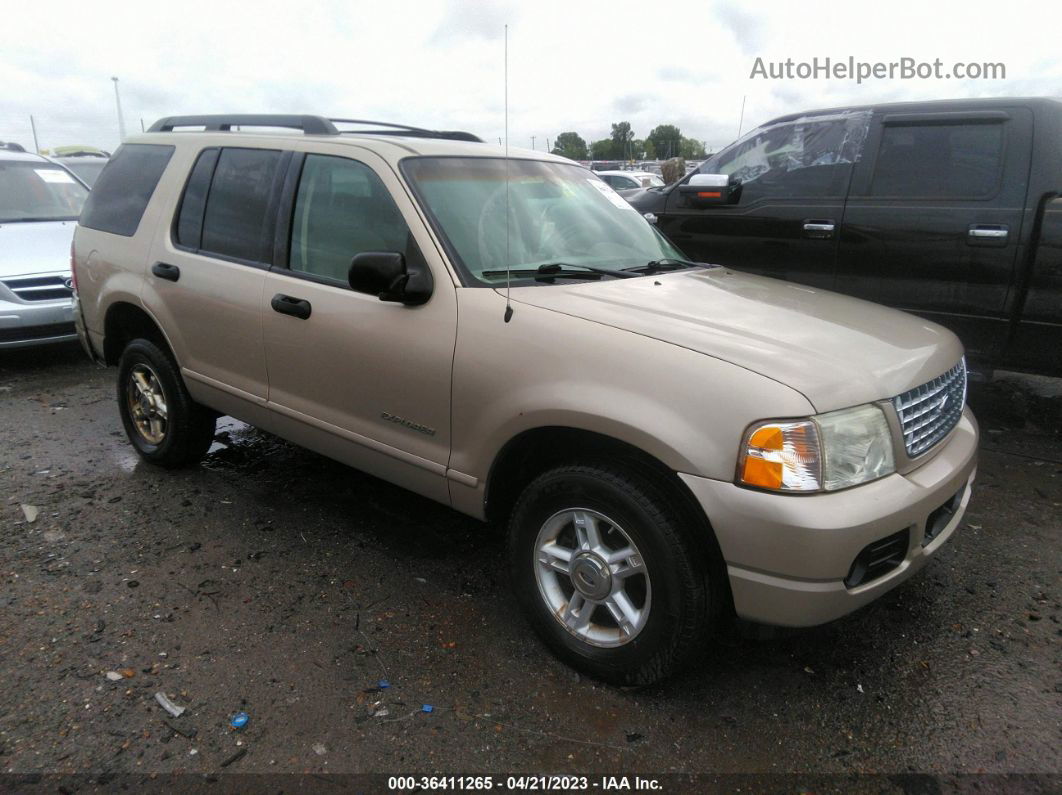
(794, 177)
(206, 282)
(933, 220)
(365, 381)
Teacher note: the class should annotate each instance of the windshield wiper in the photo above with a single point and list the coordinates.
(666, 264)
(555, 270)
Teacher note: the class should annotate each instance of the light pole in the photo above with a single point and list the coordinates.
(118, 103)
(533, 141)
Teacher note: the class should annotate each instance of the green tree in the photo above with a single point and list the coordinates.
(692, 149)
(622, 135)
(602, 150)
(666, 140)
(648, 152)
(570, 144)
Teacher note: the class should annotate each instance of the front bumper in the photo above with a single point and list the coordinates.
(788, 556)
(24, 324)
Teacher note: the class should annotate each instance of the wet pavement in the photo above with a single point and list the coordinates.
(273, 581)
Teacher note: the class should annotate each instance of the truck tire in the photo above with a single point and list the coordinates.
(609, 575)
(162, 421)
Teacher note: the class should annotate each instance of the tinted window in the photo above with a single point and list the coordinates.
(342, 208)
(939, 160)
(193, 203)
(35, 190)
(123, 190)
(236, 218)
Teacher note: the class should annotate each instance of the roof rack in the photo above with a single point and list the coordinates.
(310, 125)
(406, 130)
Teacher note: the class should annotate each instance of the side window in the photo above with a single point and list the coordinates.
(121, 194)
(808, 158)
(342, 209)
(939, 161)
(235, 221)
(189, 231)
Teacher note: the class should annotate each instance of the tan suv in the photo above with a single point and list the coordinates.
(669, 442)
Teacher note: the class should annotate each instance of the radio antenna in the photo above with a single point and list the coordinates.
(508, 274)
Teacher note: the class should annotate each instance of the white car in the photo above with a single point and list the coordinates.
(39, 205)
(629, 180)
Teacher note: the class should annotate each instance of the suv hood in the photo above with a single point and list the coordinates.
(835, 350)
(28, 247)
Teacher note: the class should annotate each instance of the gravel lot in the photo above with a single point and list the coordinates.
(276, 582)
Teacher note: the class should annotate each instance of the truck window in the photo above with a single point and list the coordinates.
(122, 192)
(803, 159)
(342, 209)
(235, 219)
(928, 161)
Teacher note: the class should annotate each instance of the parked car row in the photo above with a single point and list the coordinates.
(669, 443)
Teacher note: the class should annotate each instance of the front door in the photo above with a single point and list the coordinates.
(366, 381)
(794, 176)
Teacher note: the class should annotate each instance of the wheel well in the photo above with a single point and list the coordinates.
(124, 323)
(533, 452)
(536, 451)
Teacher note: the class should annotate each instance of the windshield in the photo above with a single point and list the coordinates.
(87, 170)
(33, 191)
(558, 213)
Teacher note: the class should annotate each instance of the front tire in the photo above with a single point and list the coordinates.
(609, 574)
(162, 421)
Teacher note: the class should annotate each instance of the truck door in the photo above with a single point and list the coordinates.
(933, 219)
(794, 176)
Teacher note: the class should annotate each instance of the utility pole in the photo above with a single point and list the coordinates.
(547, 143)
(33, 126)
(533, 141)
(118, 103)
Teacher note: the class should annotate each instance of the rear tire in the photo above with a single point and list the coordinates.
(162, 421)
(631, 607)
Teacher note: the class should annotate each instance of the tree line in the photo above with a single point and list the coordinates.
(663, 142)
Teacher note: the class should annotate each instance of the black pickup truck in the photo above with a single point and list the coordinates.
(949, 209)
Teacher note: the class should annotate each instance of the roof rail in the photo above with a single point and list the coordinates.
(406, 130)
(310, 125)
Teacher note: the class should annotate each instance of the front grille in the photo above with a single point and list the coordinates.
(928, 413)
(39, 288)
(879, 558)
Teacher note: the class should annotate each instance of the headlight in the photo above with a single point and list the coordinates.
(823, 453)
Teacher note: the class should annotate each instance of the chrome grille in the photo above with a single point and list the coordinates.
(39, 288)
(928, 412)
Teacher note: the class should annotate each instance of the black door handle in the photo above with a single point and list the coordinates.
(166, 271)
(286, 305)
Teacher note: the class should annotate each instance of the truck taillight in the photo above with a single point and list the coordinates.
(73, 267)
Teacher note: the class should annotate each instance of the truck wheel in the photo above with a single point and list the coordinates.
(608, 576)
(162, 421)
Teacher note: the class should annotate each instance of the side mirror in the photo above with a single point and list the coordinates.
(706, 190)
(386, 275)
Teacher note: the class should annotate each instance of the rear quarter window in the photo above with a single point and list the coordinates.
(122, 192)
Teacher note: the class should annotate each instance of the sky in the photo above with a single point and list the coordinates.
(576, 66)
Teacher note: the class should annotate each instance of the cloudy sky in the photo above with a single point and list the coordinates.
(572, 65)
